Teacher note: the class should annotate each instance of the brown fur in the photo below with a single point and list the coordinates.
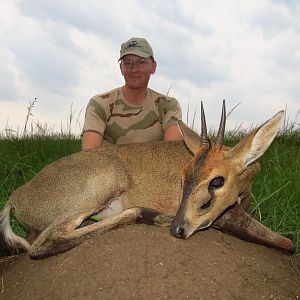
(138, 181)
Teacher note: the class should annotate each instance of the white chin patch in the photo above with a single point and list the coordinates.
(204, 224)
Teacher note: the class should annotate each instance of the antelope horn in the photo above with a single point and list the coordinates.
(221, 132)
(204, 138)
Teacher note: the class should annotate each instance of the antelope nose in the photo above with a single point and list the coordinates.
(178, 232)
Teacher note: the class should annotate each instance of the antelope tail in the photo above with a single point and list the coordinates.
(12, 240)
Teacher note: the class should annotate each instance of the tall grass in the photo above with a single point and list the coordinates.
(21, 158)
(276, 191)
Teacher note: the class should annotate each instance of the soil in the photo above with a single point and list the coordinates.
(146, 262)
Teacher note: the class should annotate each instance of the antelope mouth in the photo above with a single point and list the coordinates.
(205, 224)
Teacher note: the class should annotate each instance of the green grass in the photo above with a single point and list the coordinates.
(276, 191)
(22, 158)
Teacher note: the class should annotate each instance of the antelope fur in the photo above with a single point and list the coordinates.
(144, 182)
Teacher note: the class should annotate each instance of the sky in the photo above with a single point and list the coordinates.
(64, 52)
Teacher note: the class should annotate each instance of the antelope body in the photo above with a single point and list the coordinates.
(199, 182)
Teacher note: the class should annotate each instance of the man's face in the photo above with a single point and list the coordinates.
(137, 70)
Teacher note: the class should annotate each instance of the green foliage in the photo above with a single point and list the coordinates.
(276, 191)
(22, 158)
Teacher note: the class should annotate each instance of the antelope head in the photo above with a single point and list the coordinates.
(211, 181)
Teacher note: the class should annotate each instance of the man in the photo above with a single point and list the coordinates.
(132, 113)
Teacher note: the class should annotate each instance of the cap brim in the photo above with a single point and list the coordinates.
(135, 52)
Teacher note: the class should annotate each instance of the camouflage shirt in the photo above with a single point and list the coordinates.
(120, 122)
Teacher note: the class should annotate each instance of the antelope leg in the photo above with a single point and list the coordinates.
(65, 233)
(236, 221)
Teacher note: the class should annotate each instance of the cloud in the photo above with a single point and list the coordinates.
(42, 54)
(8, 74)
(65, 52)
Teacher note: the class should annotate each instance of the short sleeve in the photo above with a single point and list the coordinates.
(95, 116)
(172, 113)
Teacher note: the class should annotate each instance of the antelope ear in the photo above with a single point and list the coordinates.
(191, 138)
(254, 145)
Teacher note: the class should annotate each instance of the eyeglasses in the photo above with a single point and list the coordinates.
(138, 63)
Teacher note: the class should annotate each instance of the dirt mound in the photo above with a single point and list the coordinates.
(146, 262)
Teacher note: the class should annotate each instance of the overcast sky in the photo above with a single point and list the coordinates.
(64, 52)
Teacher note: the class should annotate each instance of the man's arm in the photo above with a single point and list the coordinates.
(91, 140)
(173, 133)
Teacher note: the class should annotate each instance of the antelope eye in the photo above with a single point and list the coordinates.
(216, 183)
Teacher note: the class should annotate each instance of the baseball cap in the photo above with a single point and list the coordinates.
(136, 46)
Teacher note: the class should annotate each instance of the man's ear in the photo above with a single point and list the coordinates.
(120, 65)
(154, 65)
